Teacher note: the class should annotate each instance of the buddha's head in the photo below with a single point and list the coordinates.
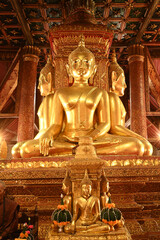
(67, 184)
(2, 190)
(46, 79)
(116, 77)
(104, 184)
(81, 63)
(86, 186)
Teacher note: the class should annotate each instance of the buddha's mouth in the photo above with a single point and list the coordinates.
(82, 72)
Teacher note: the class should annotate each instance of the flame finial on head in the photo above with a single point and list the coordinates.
(86, 180)
(67, 180)
(113, 56)
(82, 41)
(104, 181)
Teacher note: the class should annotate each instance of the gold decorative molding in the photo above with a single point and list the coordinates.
(31, 50)
(61, 162)
(30, 58)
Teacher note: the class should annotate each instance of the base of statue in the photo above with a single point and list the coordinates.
(120, 234)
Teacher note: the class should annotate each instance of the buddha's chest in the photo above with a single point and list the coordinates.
(79, 99)
(86, 205)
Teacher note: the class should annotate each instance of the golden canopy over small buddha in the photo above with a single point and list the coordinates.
(83, 110)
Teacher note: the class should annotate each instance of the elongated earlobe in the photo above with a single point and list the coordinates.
(90, 81)
(113, 80)
(69, 74)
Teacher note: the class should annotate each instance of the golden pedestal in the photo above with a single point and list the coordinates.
(120, 234)
(134, 183)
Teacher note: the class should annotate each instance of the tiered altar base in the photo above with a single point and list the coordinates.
(121, 234)
(134, 184)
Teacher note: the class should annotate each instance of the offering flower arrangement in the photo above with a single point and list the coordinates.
(111, 215)
(27, 232)
(61, 215)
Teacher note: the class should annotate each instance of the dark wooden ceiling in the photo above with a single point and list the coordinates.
(28, 22)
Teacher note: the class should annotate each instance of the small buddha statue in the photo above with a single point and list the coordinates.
(86, 211)
(67, 189)
(47, 87)
(117, 110)
(81, 110)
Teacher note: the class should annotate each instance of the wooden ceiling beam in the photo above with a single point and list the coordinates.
(12, 37)
(129, 19)
(5, 13)
(148, 17)
(126, 15)
(5, 36)
(45, 23)
(106, 9)
(13, 26)
(8, 115)
(156, 44)
(151, 114)
(44, 15)
(9, 86)
(11, 68)
(37, 5)
(41, 20)
(123, 5)
(22, 21)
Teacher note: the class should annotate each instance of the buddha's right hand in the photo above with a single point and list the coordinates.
(44, 144)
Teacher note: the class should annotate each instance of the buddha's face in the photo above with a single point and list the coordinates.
(86, 190)
(81, 64)
(120, 85)
(43, 86)
(2, 191)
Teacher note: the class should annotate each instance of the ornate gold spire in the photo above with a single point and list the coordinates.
(113, 56)
(104, 181)
(114, 66)
(67, 180)
(86, 180)
(82, 41)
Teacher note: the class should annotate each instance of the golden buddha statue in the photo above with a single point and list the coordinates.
(117, 110)
(86, 211)
(47, 87)
(67, 189)
(81, 110)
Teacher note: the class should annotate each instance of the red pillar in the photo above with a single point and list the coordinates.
(27, 81)
(137, 90)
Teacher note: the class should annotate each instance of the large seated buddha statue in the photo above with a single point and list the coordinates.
(82, 110)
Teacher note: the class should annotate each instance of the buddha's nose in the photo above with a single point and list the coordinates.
(81, 64)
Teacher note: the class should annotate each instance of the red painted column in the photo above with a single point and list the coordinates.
(137, 90)
(27, 81)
